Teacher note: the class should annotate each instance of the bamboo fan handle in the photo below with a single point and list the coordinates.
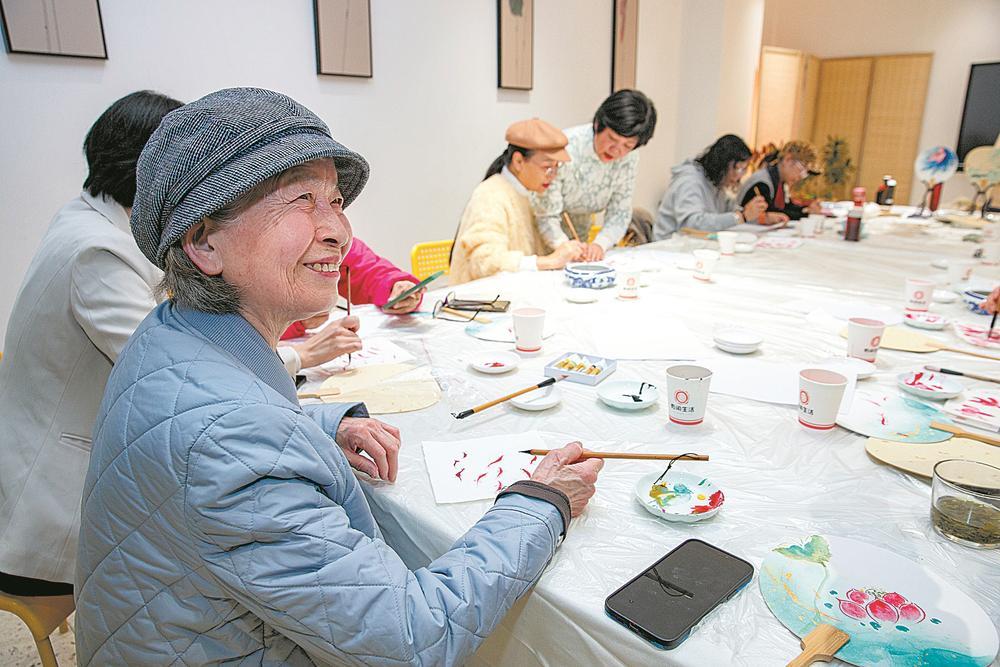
(962, 433)
(968, 352)
(820, 644)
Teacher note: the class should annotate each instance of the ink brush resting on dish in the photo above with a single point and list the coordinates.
(626, 455)
(479, 408)
(347, 276)
(974, 376)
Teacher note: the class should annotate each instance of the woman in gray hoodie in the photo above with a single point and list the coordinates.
(701, 191)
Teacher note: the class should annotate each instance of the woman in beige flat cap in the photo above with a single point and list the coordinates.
(497, 231)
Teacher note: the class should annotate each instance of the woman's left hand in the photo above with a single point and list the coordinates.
(370, 436)
(592, 252)
(407, 305)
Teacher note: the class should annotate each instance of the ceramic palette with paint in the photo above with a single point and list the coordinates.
(978, 334)
(581, 295)
(925, 320)
(895, 611)
(679, 496)
(979, 408)
(494, 363)
(925, 384)
(628, 394)
(538, 400)
(737, 341)
(892, 417)
(921, 459)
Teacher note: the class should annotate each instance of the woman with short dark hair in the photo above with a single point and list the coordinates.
(86, 290)
(776, 178)
(600, 178)
(701, 194)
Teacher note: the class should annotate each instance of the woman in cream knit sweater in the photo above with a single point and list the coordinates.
(498, 231)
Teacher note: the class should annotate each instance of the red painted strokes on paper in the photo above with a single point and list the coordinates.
(459, 459)
(499, 485)
(459, 474)
(499, 471)
(480, 477)
(495, 461)
(533, 459)
(527, 473)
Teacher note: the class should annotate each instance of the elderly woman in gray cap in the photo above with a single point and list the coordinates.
(221, 520)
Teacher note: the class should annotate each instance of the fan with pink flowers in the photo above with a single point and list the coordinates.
(895, 611)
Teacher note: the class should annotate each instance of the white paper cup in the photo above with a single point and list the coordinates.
(727, 242)
(704, 262)
(863, 337)
(807, 227)
(818, 220)
(529, 325)
(687, 391)
(628, 284)
(918, 294)
(820, 393)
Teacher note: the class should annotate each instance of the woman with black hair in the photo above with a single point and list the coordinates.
(701, 194)
(86, 290)
(497, 231)
(601, 176)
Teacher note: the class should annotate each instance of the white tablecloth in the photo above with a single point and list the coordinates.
(781, 482)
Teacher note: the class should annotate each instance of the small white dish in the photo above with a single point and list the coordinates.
(746, 237)
(939, 263)
(737, 341)
(619, 394)
(685, 263)
(944, 296)
(679, 496)
(926, 320)
(863, 369)
(927, 384)
(540, 399)
(494, 363)
(744, 247)
(581, 295)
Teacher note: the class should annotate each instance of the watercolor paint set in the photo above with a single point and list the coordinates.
(583, 368)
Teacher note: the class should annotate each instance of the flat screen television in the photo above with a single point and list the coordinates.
(981, 117)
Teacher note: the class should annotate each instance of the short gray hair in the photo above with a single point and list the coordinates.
(186, 285)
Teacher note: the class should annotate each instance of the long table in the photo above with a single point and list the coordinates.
(782, 482)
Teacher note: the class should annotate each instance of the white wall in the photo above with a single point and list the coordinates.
(957, 32)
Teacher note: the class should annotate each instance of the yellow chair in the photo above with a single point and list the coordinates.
(42, 615)
(429, 257)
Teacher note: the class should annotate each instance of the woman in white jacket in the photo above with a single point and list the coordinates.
(85, 292)
(701, 194)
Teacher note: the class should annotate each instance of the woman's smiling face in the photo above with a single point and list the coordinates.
(284, 254)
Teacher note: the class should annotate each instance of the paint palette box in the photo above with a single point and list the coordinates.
(583, 368)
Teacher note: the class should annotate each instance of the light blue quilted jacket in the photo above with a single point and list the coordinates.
(222, 524)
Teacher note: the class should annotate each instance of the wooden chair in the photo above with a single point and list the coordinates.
(430, 256)
(42, 615)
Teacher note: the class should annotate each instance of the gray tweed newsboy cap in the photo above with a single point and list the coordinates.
(206, 154)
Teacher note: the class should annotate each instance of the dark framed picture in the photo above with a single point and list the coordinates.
(625, 24)
(343, 37)
(54, 28)
(515, 43)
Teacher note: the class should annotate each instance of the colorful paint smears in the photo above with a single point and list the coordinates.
(890, 417)
(902, 615)
(680, 496)
(979, 407)
(977, 334)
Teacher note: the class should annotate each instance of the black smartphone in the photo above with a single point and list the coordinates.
(663, 603)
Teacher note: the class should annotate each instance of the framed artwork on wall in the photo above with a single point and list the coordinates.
(343, 37)
(54, 28)
(625, 24)
(515, 43)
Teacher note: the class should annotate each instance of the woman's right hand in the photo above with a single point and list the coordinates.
(561, 470)
(569, 251)
(337, 338)
(753, 209)
(991, 303)
(775, 217)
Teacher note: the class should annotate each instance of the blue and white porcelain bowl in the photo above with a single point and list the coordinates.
(590, 275)
(973, 299)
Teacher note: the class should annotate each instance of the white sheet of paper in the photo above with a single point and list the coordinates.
(767, 381)
(639, 331)
(375, 351)
(477, 469)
